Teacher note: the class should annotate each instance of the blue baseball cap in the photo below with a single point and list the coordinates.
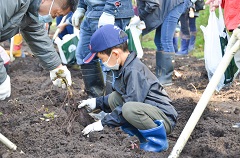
(103, 38)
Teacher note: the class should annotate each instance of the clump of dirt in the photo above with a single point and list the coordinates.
(33, 95)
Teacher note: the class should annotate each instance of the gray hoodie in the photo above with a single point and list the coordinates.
(22, 16)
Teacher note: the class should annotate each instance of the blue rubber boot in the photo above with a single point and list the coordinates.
(192, 41)
(131, 130)
(156, 137)
(184, 47)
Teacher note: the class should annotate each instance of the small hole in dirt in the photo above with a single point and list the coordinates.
(217, 133)
(227, 145)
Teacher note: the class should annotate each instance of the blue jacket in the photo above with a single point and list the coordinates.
(144, 87)
(118, 8)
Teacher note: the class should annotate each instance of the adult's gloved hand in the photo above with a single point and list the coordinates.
(96, 126)
(89, 103)
(106, 18)
(5, 89)
(61, 76)
(77, 17)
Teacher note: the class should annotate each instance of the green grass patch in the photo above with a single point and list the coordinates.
(148, 40)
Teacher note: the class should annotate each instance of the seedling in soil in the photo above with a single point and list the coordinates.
(69, 98)
(74, 113)
(64, 81)
(50, 115)
(1, 113)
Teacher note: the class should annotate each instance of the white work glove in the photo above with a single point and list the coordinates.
(135, 20)
(96, 126)
(5, 89)
(106, 18)
(63, 73)
(77, 17)
(89, 103)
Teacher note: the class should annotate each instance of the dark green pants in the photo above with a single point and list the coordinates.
(140, 115)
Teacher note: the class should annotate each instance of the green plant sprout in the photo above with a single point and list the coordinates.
(64, 80)
(50, 115)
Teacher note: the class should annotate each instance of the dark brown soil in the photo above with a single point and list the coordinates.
(23, 122)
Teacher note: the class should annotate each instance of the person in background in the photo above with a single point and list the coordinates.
(28, 17)
(138, 104)
(97, 14)
(66, 27)
(188, 31)
(162, 16)
(232, 21)
(175, 37)
(231, 18)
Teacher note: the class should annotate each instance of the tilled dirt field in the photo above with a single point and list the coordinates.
(39, 119)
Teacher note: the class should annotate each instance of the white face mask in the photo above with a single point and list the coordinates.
(114, 67)
(46, 18)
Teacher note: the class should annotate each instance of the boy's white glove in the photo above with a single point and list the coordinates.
(5, 89)
(106, 18)
(63, 73)
(77, 17)
(89, 103)
(96, 126)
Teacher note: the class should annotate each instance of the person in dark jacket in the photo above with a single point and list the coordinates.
(138, 104)
(163, 16)
(188, 31)
(27, 17)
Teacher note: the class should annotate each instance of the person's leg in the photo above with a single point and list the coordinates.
(157, 41)
(88, 27)
(166, 33)
(192, 24)
(142, 116)
(114, 100)
(175, 38)
(185, 34)
(152, 124)
(92, 72)
(193, 32)
(157, 38)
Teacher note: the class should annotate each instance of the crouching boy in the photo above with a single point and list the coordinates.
(138, 103)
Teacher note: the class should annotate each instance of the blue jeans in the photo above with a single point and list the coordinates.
(165, 32)
(87, 28)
